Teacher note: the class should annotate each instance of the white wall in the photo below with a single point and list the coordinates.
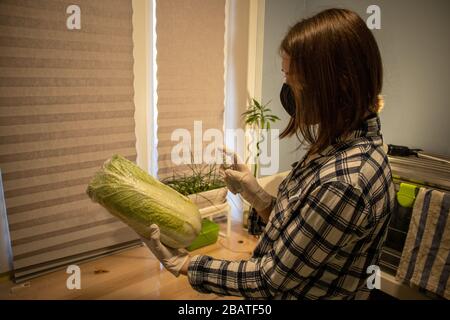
(236, 51)
(279, 15)
(414, 43)
(415, 47)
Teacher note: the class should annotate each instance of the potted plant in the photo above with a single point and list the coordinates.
(258, 117)
(203, 185)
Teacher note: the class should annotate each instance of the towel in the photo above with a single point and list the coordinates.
(425, 260)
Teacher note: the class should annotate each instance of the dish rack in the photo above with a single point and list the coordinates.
(410, 174)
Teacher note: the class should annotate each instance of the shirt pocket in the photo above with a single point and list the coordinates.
(288, 207)
(282, 214)
(289, 199)
(271, 232)
(296, 199)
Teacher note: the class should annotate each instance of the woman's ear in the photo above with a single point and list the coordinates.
(285, 65)
(380, 103)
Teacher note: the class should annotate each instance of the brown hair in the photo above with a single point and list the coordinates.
(336, 76)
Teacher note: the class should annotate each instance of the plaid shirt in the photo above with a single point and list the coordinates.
(326, 228)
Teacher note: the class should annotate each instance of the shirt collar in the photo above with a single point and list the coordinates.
(370, 128)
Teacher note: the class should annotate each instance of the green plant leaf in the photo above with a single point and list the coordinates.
(256, 103)
(247, 112)
(273, 118)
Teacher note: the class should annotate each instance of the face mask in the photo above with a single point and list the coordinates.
(287, 99)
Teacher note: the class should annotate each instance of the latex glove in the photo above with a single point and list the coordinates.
(172, 259)
(240, 179)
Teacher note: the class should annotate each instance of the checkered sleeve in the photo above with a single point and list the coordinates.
(331, 216)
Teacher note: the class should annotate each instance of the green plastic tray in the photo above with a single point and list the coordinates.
(208, 235)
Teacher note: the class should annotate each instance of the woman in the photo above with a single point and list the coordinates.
(330, 217)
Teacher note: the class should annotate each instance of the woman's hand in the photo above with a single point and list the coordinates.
(239, 179)
(176, 261)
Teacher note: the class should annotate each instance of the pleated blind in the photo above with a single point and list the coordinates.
(190, 75)
(66, 105)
